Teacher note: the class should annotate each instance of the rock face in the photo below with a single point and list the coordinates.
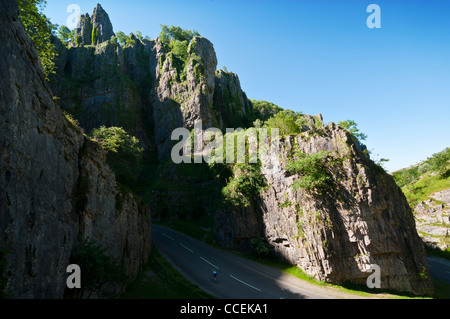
(183, 91)
(334, 237)
(101, 23)
(107, 85)
(149, 90)
(433, 220)
(55, 187)
(95, 30)
(235, 108)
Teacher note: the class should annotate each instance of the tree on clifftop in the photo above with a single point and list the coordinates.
(39, 29)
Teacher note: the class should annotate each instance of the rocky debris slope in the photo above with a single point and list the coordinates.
(55, 188)
(363, 219)
(433, 220)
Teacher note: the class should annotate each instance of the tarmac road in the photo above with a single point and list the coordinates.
(238, 278)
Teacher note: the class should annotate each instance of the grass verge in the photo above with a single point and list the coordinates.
(159, 280)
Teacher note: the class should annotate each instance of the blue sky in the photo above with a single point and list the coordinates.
(319, 56)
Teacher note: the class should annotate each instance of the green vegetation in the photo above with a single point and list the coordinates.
(265, 110)
(159, 280)
(426, 178)
(95, 36)
(438, 164)
(260, 248)
(313, 170)
(174, 33)
(245, 185)
(352, 127)
(287, 122)
(65, 34)
(241, 169)
(101, 273)
(121, 38)
(421, 189)
(122, 152)
(39, 29)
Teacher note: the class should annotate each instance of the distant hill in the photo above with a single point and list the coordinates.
(426, 186)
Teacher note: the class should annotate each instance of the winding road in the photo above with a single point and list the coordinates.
(238, 278)
(241, 278)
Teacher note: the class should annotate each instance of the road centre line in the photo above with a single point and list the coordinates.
(167, 236)
(245, 283)
(210, 263)
(186, 247)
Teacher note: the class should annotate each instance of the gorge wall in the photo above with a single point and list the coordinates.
(55, 186)
(364, 219)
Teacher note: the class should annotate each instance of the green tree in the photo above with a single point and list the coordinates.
(139, 35)
(439, 161)
(352, 127)
(39, 29)
(265, 110)
(176, 33)
(285, 121)
(121, 37)
(122, 152)
(65, 34)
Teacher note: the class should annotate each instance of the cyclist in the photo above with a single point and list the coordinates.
(214, 275)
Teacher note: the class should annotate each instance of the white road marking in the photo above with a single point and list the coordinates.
(186, 247)
(167, 236)
(245, 283)
(209, 263)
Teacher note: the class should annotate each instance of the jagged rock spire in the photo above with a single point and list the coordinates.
(101, 22)
(93, 30)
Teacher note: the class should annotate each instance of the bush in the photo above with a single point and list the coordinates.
(100, 273)
(245, 185)
(259, 247)
(286, 122)
(313, 171)
(122, 152)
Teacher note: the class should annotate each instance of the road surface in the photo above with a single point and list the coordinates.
(238, 278)
(439, 268)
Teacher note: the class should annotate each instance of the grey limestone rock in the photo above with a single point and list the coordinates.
(55, 186)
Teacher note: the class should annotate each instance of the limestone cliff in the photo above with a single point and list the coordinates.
(149, 90)
(55, 187)
(335, 237)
